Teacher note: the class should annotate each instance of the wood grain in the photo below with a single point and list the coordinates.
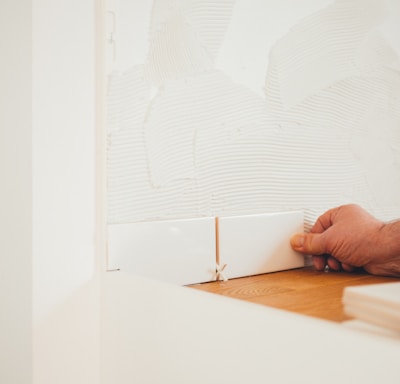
(305, 291)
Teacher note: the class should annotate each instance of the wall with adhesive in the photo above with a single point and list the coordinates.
(250, 106)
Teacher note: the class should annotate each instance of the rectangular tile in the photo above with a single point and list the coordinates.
(255, 244)
(378, 304)
(175, 251)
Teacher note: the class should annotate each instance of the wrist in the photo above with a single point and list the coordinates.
(390, 239)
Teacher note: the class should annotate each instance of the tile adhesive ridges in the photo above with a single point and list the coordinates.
(185, 139)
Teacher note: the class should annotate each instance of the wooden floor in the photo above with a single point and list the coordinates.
(304, 291)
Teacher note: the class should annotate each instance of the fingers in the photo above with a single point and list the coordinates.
(323, 222)
(314, 244)
(347, 267)
(334, 264)
(309, 243)
(319, 262)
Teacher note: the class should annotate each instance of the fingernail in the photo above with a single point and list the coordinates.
(297, 241)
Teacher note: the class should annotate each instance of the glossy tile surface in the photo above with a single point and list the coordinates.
(255, 244)
(176, 251)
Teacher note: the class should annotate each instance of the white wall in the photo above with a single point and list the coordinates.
(15, 192)
(49, 280)
(65, 270)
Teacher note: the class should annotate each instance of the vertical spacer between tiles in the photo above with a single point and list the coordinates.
(217, 240)
(219, 270)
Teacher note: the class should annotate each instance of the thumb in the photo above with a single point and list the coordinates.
(309, 243)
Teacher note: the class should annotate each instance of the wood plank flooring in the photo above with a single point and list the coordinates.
(304, 290)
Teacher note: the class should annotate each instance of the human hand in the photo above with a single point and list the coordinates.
(348, 237)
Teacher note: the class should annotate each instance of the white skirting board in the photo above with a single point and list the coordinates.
(255, 244)
(192, 251)
(175, 251)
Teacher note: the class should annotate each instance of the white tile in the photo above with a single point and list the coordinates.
(256, 244)
(378, 304)
(175, 251)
